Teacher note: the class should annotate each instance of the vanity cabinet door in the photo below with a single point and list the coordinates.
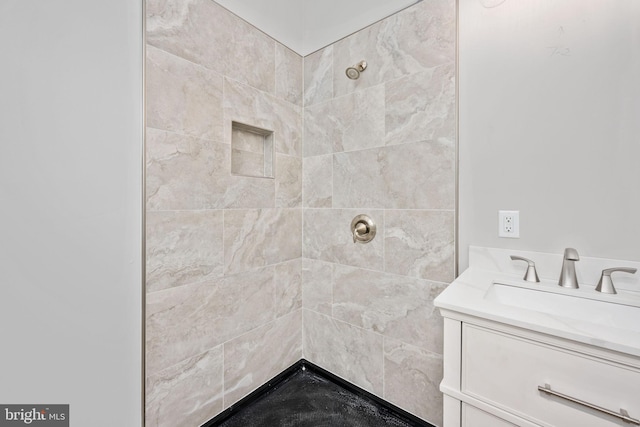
(505, 371)
(474, 417)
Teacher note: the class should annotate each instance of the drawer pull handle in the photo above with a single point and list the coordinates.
(623, 414)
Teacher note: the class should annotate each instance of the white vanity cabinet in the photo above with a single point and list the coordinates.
(534, 354)
(493, 373)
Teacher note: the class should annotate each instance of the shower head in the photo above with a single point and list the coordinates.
(354, 72)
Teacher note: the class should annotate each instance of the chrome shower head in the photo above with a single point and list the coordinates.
(354, 72)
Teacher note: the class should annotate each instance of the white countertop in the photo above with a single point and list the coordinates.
(467, 295)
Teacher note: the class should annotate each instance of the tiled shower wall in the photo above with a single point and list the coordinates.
(223, 252)
(226, 281)
(382, 145)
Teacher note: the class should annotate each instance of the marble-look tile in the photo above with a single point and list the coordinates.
(421, 106)
(288, 181)
(345, 350)
(317, 181)
(409, 176)
(182, 27)
(348, 123)
(185, 321)
(205, 33)
(389, 304)
(187, 393)
(244, 192)
(327, 237)
(288, 278)
(288, 75)
(183, 247)
(422, 36)
(420, 244)
(247, 163)
(181, 172)
(247, 105)
(318, 76)
(183, 97)
(317, 285)
(257, 356)
(257, 237)
(428, 31)
(189, 173)
(412, 378)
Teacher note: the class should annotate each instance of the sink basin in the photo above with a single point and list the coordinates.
(583, 305)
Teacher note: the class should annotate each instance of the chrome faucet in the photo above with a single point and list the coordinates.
(568, 277)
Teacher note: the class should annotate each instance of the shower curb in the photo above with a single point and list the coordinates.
(302, 365)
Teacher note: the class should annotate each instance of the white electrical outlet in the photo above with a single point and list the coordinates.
(509, 224)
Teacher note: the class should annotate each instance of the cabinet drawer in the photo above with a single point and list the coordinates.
(505, 371)
(474, 417)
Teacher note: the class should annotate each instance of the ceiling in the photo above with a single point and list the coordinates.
(308, 25)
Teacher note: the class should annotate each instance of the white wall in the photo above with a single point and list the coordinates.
(305, 26)
(71, 210)
(550, 125)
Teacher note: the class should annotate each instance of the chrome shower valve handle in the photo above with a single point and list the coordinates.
(363, 229)
(360, 229)
(531, 275)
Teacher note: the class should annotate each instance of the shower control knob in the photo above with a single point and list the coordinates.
(363, 229)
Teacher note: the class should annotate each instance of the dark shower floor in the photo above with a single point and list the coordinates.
(308, 396)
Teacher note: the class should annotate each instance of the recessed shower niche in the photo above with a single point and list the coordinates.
(252, 151)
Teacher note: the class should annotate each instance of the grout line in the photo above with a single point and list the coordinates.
(332, 71)
(275, 66)
(372, 332)
(384, 383)
(332, 282)
(384, 240)
(182, 58)
(333, 158)
(298, 207)
(274, 291)
(358, 208)
(224, 379)
(186, 135)
(211, 280)
(224, 258)
(390, 273)
(302, 333)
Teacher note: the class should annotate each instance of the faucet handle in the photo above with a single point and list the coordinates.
(531, 275)
(605, 285)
